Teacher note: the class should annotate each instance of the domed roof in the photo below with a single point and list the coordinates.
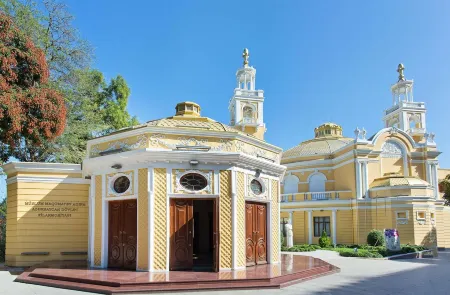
(317, 146)
(187, 117)
(328, 139)
(399, 180)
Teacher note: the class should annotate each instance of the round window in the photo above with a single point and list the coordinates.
(256, 187)
(193, 182)
(121, 184)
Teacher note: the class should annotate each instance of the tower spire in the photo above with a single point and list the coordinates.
(246, 105)
(245, 55)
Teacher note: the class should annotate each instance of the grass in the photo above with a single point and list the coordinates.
(361, 250)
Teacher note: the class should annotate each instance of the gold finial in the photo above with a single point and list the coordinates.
(400, 69)
(245, 55)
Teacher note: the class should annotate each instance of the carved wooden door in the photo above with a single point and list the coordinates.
(255, 233)
(260, 229)
(181, 234)
(115, 251)
(129, 233)
(122, 238)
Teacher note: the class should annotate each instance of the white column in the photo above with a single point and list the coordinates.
(310, 227)
(428, 172)
(91, 228)
(358, 179)
(333, 226)
(260, 113)
(291, 217)
(237, 112)
(365, 180)
(435, 180)
(405, 125)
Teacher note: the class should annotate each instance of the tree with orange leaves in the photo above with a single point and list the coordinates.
(31, 112)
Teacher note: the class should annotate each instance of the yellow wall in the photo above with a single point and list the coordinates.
(344, 227)
(46, 217)
(424, 232)
(345, 178)
(299, 227)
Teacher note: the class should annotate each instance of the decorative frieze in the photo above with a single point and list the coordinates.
(123, 144)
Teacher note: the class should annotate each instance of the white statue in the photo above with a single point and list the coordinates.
(289, 236)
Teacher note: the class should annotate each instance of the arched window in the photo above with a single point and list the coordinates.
(317, 182)
(394, 158)
(291, 184)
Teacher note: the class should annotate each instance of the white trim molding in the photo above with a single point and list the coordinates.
(59, 168)
(43, 179)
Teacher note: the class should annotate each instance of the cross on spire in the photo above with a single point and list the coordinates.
(400, 69)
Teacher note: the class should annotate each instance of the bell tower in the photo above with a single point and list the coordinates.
(246, 105)
(406, 114)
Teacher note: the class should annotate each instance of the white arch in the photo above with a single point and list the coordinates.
(317, 182)
(291, 184)
(408, 137)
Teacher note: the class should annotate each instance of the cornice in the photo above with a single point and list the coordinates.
(14, 167)
(151, 156)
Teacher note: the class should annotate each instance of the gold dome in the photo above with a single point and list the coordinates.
(328, 130)
(187, 108)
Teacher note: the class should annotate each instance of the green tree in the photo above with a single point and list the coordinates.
(93, 107)
(31, 112)
(113, 105)
(96, 108)
(444, 185)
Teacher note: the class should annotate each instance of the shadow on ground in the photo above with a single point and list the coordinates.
(432, 278)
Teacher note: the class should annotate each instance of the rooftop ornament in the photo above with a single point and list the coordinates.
(401, 75)
(245, 55)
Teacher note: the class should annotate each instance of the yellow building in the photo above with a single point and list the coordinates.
(177, 193)
(349, 186)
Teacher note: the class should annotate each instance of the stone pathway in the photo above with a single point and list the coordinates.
(357, 276)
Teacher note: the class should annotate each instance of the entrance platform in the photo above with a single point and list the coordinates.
(293, 269)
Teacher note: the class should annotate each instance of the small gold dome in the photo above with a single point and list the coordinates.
(187, 108)
(328, 130)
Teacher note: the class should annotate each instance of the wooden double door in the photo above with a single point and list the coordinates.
(122, 238)
(256, 233)
(182, 234)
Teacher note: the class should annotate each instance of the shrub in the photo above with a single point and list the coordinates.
(303, 248)
(375, 238)
(359, 253)
(324, 240)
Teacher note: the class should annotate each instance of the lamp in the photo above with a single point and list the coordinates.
(116, 166)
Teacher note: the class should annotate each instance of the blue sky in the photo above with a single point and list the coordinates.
(317, 61)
